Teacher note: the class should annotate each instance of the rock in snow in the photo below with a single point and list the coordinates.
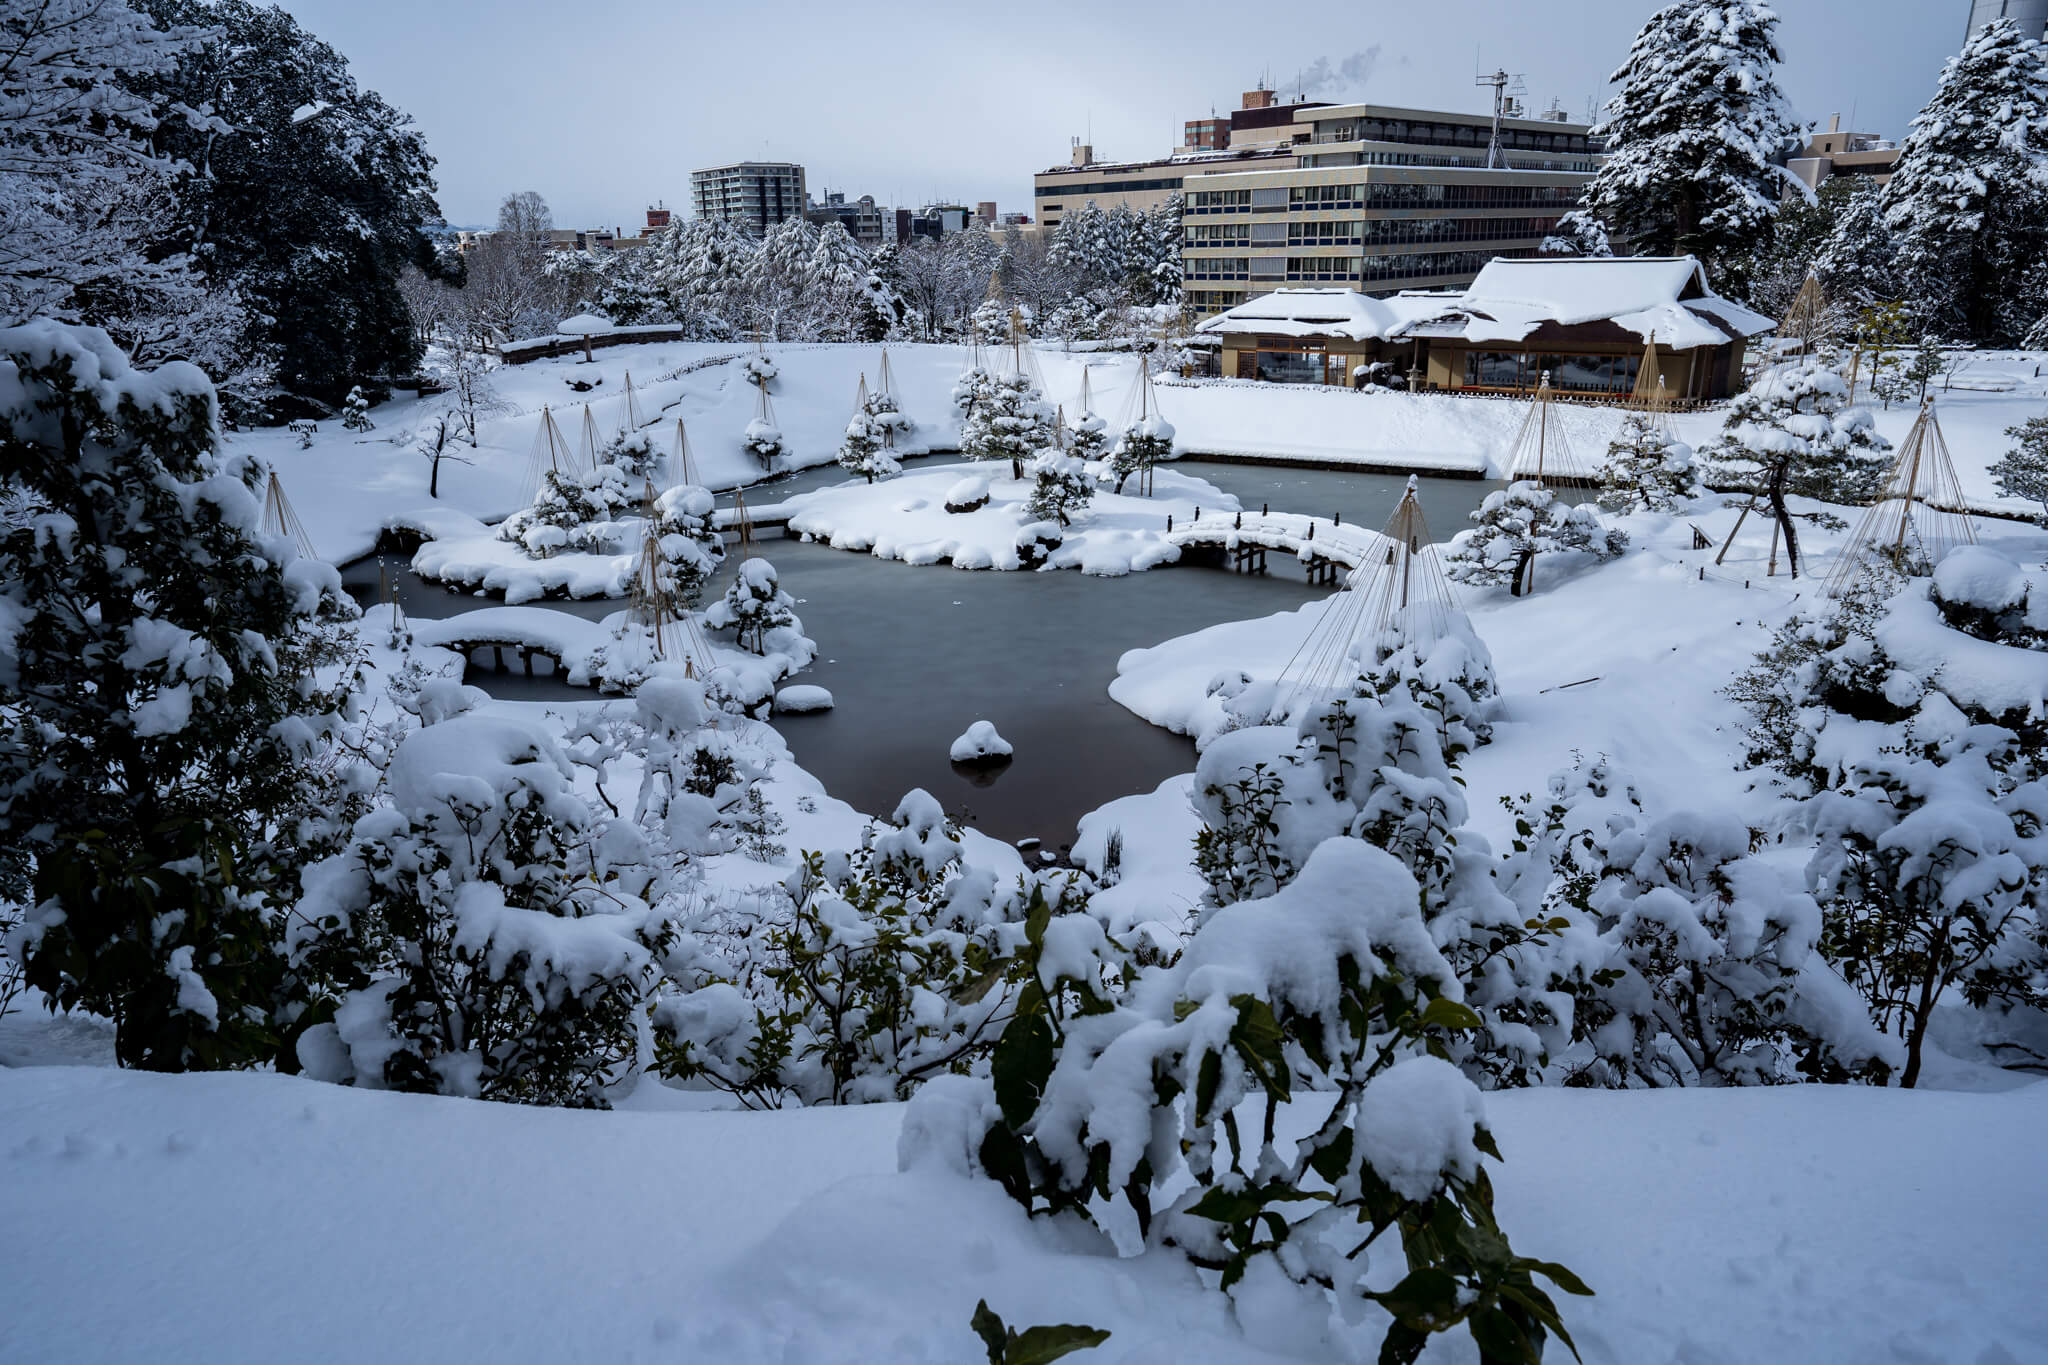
(981, 744)
(803, 697)
(968, 495)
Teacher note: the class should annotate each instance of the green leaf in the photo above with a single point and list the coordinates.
(1559, 1276)
(1038, 1345)
(1036, 918)
(1020, 1067)
(1501, 1339)
(1444, 1012)
(989, 1328)
(1427, 1299)
(1222, 1205)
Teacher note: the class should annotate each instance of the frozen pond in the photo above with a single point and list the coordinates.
(914, 655)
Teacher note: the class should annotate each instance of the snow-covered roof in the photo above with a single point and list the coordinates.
(1664, 296)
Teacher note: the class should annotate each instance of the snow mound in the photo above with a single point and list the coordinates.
(583, 324)
(1973, 576)
(1416, 1120)
(968, 495)
(803, 697)
(981, 744)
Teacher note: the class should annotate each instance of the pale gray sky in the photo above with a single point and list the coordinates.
(605, 106)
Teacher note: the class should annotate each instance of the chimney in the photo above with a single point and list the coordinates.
(1258, 99)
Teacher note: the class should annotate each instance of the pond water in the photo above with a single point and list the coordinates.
(914, 655)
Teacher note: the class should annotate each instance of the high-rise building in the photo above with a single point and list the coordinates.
(755, 195)
(2030, 15)
(1838, 153)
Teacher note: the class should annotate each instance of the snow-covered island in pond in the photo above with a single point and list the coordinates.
(1522, 841)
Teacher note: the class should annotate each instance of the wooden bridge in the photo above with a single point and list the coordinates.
(1328, 549)
(529, 633)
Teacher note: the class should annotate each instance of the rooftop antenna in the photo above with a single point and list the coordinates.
(1499, 80)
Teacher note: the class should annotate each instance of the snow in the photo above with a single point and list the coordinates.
(583, 324)
(1510, 298)
(1416, 1120)
(980, 744)
(803, 697)
(967, 495)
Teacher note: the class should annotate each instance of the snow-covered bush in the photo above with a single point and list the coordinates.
(753, 606)
(862, 450)
(1145, 443)
(763, 440)
(1009, 420)
(1516, 524)
(355, 411)
(1120, 1107)
(1916, 751)
(760, 370)
(172, 681)
(888, 419)
(498, 940)
(1800, 411)
(970, 389)
(1061, 487)
(979, 743)
(576, 512)
(1646, 469)
(871, 972)
(1089, 439)
(633, 454)
(692, 547)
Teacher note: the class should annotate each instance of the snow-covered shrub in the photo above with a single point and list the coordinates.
(990, 323)
(1089, 439)
(760, 370)
(172, 681)
(1441, 666)
(633, 454)
(872, 972)
(979, 743)
(970, 389)
(862, 450)
(355, 411)
(2022, 472)
(1062, 486)
(1009, 420)
(497, 938)
(1120, 1107)
(1515, 525)
(692, 547)
(1646, 469)
(753, 606)
(1917, 752)
(1800, 411)
(763, 440)
(1144, 443)
(888, 419)
(576, 512)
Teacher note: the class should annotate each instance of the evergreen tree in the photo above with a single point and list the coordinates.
(1856, 264)
(838, 285)
(1968, 198)
(1646, 469)
(312, 208)
(754, 605)
(1696, 135)
(1517, 524)
(1800, 411)
(1145, 442)
(1090, 438)
(165, 676)
(777, 281)
(355, 411)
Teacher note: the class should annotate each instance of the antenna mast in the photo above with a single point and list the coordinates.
(1499, 81)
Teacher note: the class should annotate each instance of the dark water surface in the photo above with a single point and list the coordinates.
(913, 655)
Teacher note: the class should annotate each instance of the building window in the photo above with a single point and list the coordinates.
(1290, 367)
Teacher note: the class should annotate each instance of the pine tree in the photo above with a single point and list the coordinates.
(1517, 524)
(1968, 198)
(1856, 265)
(1145, 443)
(1090, 438)
(1800, 411)
(1646, 469)
(1696, 135)
(777, 281)
(754, 605)
(1062, 486)
(170, 679)
(838, 286)
(1010, 421)
(2022, 472)
(862, 451)
(355, 411)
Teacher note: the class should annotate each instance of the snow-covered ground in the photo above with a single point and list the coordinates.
(257, 1217)
(254, 1217)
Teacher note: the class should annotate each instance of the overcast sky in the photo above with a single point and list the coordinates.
(605, 106)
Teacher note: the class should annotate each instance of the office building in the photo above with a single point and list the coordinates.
(1836, 153)
(866, 223)
(1380, 199)
(755, 195)
(2030, 15)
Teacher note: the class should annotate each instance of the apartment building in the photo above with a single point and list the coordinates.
(1836, 153)
(1381, 199)
(755, 195)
